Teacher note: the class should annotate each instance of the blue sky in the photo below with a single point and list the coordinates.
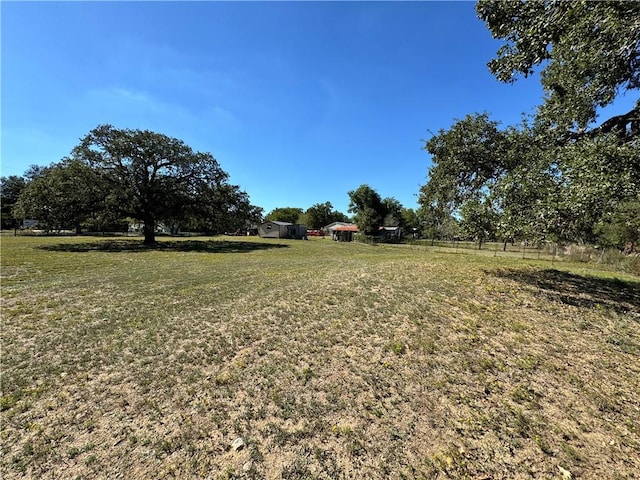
(300, 102)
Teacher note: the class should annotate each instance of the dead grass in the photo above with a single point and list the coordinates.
(329, 360)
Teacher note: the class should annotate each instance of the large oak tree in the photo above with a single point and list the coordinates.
(155, 177)
(563, 174)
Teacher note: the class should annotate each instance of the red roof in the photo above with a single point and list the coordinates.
(345, 228)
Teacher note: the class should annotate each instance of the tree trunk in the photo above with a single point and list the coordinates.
(149, 231)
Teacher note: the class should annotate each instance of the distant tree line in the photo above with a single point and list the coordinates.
(117, 176)
(556, 176)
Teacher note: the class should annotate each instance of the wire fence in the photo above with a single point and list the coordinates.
(610, 258)
(546, 251)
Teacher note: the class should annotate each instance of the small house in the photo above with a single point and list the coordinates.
(282, 230)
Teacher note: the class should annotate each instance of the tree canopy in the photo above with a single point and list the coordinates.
(10, 189)
(64, 195)
(368, 209)
(284, 214)
(155, 177)
(393, 213)
(149, 177)
(468, 156)
(538, 190)
(586, 52)
(557, 176)
(320, 215)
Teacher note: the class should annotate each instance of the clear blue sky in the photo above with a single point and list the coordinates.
(300, 102)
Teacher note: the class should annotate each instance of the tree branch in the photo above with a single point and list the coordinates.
(616, 124)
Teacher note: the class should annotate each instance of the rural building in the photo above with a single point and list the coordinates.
(282, 230)
(390, 233)
(273, 229)
(330, 228)
(343, 233)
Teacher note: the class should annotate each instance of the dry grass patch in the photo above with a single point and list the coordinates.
(328, 360)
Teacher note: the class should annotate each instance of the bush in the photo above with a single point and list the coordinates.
(633, 264)
(610, 257)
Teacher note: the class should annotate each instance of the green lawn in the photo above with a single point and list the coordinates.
(329, 360)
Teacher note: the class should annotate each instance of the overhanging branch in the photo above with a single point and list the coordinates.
(626, 126)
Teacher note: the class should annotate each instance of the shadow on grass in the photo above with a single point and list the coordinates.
(205, 246)
(581, 291)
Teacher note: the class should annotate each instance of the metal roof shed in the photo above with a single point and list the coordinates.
(274, 229)
(344, 233)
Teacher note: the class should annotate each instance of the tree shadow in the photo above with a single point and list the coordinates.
(133, 246)
(623, 296)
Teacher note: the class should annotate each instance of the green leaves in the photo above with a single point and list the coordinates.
(466, 158)
(284, 214)
(587, 52)
(158, 178)
(560, 177)
(478, 219)
(10, 189)
(149, 177)
(368, 209)
(621, 228)
(321, 215)
(521, 186)
(64, 195)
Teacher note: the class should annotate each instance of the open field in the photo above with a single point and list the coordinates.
(329, 360)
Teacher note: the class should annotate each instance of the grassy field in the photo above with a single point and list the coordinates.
(328, 360)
